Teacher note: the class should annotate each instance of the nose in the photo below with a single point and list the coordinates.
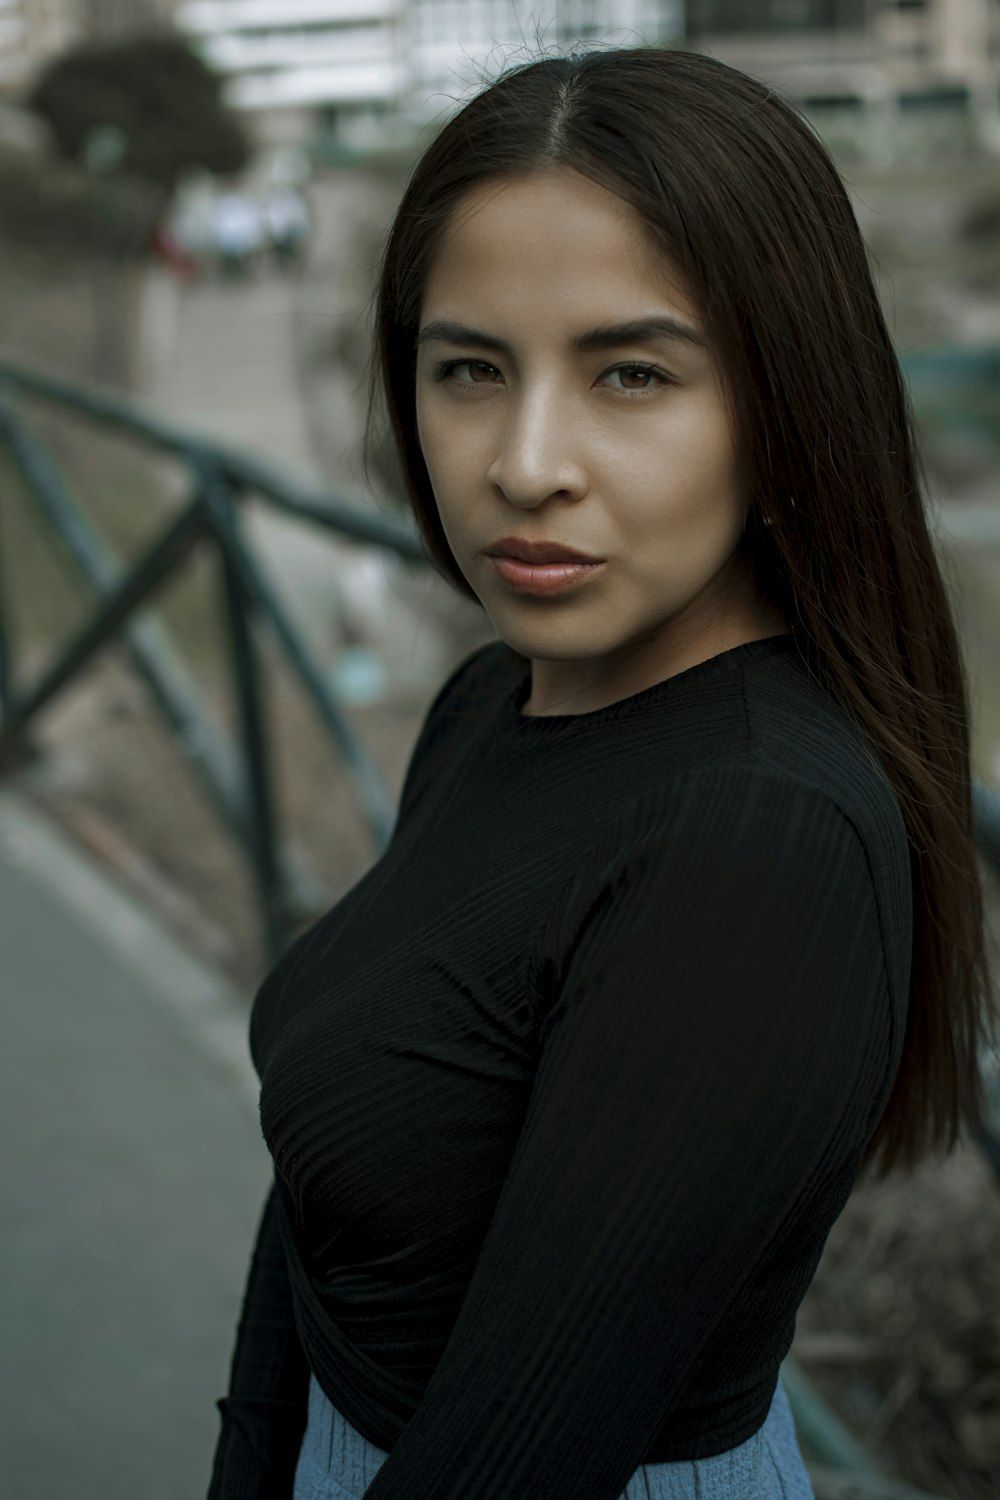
(539, 451)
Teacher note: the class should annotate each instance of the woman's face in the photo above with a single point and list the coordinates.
(543, 416)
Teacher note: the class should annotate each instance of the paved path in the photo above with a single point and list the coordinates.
(220, 359)
(248, 363)
(132, 1175)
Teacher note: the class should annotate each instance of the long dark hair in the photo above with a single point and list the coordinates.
(740, 194)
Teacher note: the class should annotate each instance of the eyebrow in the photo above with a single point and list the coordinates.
(635, 331)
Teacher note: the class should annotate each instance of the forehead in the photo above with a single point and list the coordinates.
(549, 242)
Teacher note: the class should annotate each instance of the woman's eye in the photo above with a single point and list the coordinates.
(479, 372)
(638, 378)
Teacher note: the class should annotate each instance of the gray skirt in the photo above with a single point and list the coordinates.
(337, 1463)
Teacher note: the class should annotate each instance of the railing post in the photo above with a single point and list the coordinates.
(215, 761)
(259, 800)
(377, 806)
(6, 658)
(21, 747)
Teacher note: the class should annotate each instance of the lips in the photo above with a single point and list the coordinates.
(544, 578)
(538, 553)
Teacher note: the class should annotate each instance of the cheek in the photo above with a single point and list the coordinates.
(436, 444)
(452, 455)
(692, 460)
(441, 455)
(678, 488)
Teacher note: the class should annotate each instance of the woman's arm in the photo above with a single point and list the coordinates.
(264, 1414)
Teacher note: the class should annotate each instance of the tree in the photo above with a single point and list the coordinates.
(151, 94)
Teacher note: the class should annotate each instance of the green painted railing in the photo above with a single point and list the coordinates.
(238, 781)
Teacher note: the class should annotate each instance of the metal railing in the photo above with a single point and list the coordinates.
(238, 781)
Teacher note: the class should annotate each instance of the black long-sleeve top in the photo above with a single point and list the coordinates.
(566, 1093)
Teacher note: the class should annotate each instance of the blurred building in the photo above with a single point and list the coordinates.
(361, 69)
(870, 50)
(359, 65)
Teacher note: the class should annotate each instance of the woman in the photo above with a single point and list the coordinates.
(680, 927)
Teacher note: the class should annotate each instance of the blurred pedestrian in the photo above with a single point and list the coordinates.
(168, 249)
(238, 232)
(287, 222)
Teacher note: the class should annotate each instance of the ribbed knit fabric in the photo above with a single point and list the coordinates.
(565, 1095)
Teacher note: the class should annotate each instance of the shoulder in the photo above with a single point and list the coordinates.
(798, 735)
(735, 812)
(740, 865)
(805, 798)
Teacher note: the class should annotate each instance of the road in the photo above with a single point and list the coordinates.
(132, 1175)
